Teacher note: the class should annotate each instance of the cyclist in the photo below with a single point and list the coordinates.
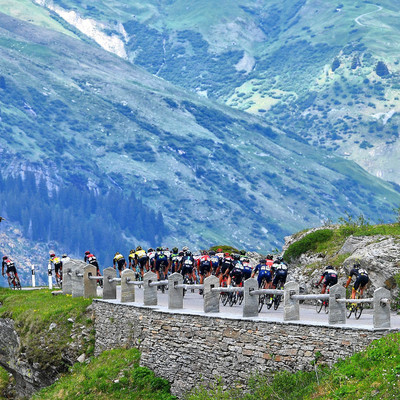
(247, 270)
(150, 255)
(119, 261)
(10, 267)
(65, 258)
(280, 270)
(237, 271)
(92, 260)
(204, 266)
(161, 261)
(361, 281)
(56, 261)
(141, 259)
(264, 272)
(215, 263)
(330, 276)
(226, 267)
(174, 260)
(187, 266)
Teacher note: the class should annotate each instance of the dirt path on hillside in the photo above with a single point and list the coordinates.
(368, 13)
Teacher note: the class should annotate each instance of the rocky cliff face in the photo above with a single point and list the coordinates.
(32, 373)
(378, 254)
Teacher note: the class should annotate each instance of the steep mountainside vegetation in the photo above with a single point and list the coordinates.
(328, 71)
(142, 152)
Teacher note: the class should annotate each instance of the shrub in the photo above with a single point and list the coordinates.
(307, 243)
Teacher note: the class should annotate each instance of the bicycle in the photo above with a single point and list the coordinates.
(356, 308)
(262, 297)
(59, 279)
(187, 280)
(223, 295)
(13, 281)
(278, 297)
(322, 304)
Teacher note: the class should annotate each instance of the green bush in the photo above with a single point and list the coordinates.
(307, 243)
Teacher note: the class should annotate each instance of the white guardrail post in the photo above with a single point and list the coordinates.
(127, 288)
(33, 276)
(337, 310)
(109, 284)
(381, 316)
(50, 274)
(175, 294)
(291, 311)
(149, 292)
(89, 285)
(211, 298)
(250, 306)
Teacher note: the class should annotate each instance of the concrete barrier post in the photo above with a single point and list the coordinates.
(109, 286)
(210, 298)
(127, 290)
(89, 285)
(149, 292)
(68, 271)
(381, 310)
(250, 307)
(337, 310)
(175, 295)
(291, 309)
(77, 281)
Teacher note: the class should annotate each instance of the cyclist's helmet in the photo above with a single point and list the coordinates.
(150, 249)
(159, 249)
(211, 253)
(242, 252)
(86, 252)
(138, 248)
(116, 253)
(246, 259)
(132, 251)
(188, 253)
(236, 256)
(357, 265)
(279, 259)
(328, 267)
(185, 248)
(175, 250)
(181, 253)
(64, 255)
(270, 257)
(52, 255)
(5, 257)
(263, 261)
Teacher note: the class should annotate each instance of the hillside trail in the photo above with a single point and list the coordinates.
(357, 20)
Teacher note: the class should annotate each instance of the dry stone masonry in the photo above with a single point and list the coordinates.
(186, 348)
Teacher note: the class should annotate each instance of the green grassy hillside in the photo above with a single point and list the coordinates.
(308, 66)
(75, 114)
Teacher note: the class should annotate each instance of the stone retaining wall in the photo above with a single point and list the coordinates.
(185, 348)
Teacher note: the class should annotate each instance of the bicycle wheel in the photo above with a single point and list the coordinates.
(326, 307)
(240, 298)
(232, 299)
(349, 310)
(358, 311)
(224, 298)
(10, 283)
(18, 284)
(318, 306)
(277, 301)
(261, 300)
(270, 301)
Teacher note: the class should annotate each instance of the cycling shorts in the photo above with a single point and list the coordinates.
(237, 277)
(121, 263)
(186, 269)
(161, 263)
(11, 269)
(142, 261)
(204, 268)
(330, 280)
(264, 275)
(361, 281)
(280, 275)
(57, 267)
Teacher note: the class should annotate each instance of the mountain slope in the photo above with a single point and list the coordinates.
(75, 114)
(308, 66)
